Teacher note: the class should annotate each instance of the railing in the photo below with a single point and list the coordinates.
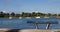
(43, 22)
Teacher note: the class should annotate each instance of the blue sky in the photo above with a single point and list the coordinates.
(19, 6)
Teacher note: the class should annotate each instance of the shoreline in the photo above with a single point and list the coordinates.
(28, 30)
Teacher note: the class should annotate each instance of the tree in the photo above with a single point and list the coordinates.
(23, 14)
(49, 15)
(7, 14)
(54, 14)
(2, 14)
(18, 15)
(58, 14)
(33, 14)
(12, 14)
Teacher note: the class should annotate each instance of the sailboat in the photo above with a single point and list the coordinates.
(46, 17)
(37, 17)
(28, 17)
(10, 17)
(20, 17)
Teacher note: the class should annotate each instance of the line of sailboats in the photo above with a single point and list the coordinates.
(31, 17)
(27, 17)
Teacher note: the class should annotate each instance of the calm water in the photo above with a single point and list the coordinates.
(22, 23)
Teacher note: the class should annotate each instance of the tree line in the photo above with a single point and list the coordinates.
(23, 14)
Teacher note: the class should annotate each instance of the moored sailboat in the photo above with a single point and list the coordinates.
(20, 17)
(37, 17)
(10, 17)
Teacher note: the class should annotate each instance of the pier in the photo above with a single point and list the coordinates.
(34, 30)
(48, 23)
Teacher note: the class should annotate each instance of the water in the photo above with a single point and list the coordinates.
(22, 23)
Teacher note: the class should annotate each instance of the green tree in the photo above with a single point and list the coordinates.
(33, 14)
(54, 14)
(49, 14)
(58, 14)
(2, 14)
(7, 14)
(12, 14)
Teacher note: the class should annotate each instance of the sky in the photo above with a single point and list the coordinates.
(19, 6)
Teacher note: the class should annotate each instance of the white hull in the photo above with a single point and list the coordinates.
(28, 17)
(46, 17)
(20, 17)
(10, 17)
(37, 17)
